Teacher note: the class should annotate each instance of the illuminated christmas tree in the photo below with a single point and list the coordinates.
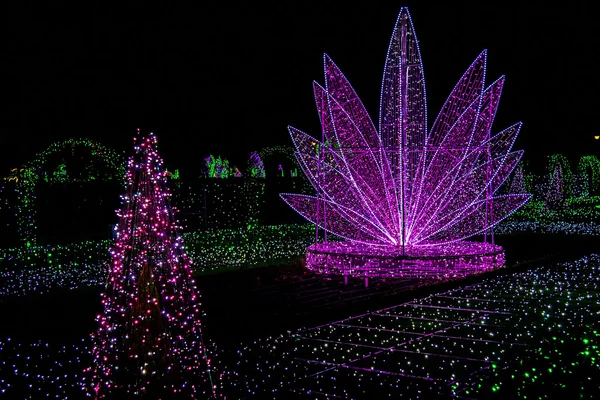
(555, 197)
(149, 340)
(518, 182)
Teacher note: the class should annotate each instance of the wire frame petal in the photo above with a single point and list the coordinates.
(481, 216)
(332, 217)
(476, 185)
(446, 165)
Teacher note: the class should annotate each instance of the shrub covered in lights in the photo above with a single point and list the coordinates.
(44, 269)
(562, 201)
(256, 166)
(405, 197)
(219, 168)
(149, 338)
(588, 176)
(557, 192)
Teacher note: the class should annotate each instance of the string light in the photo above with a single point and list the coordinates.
(553, 206)
(149, 338)
(61, 163)
(44, 269)
(403, 197)
(561, 163)
(532, 333)
(219, 168)
(513, 335)
(104, 164)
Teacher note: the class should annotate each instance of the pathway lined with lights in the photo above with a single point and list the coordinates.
(449, 343)
(532, 333)
(42, 270)
(324, 292)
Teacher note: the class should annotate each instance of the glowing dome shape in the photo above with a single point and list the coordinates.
(403, 196)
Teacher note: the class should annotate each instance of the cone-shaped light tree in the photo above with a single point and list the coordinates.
(149, 339)
(555, 197)
(518, 182)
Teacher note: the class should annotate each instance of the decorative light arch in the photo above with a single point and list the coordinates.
(593, 163)
(27, 177)
(288, 152)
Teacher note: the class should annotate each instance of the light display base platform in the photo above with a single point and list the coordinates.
(454, 260)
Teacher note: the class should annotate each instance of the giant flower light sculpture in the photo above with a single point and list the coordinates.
(405, 198)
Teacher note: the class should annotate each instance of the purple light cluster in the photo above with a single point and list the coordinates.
(400, 184)
(453, 260)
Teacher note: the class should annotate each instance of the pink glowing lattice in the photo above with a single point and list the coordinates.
(403, 186)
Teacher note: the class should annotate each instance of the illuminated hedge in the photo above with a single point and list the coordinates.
(591, 181)
(24, 179)
(31, 270)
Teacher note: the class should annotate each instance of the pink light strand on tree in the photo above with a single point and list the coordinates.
(149, 339)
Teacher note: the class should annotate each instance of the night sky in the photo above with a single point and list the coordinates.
(228, 79)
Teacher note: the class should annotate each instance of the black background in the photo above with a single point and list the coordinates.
(223, 78)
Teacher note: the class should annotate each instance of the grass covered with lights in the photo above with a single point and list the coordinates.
(576, 216)
(40, 269)
(532, 334)
(37, 270)
(574, 210)
(249, 312)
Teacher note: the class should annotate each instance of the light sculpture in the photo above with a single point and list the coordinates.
(149, 339)
(405, 198)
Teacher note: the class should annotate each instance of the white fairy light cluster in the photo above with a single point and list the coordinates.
(48, 370)
(571, 228)
(42, 280)
(41, 369)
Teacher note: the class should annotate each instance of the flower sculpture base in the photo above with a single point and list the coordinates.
(454, 260)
